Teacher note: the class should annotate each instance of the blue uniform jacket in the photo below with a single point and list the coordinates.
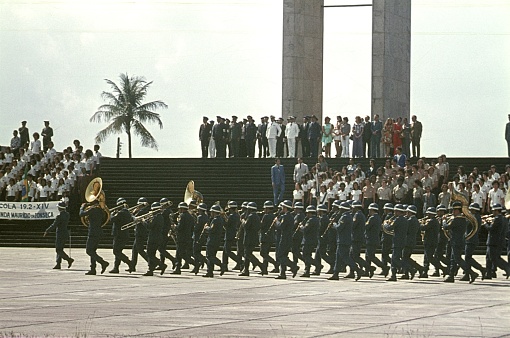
(373, 229)
(96, 217)
(496, 231)
(457, 229)
(358, 227)
(123, 217)
(60, 226)
(141, 228)
(155, 227)
(310, 231)
(286, 227)
(267, 220)
(199, 226)
(475, 239)
(431, 229)
(413, 226)
(233, 222)
(214, 233)
(251, 230)
(400, 232)
(184, 228)
(344, 229)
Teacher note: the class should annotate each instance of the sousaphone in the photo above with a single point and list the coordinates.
(191, 194)
(94, 192)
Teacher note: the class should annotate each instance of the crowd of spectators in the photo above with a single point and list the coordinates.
(32, 171)
(366, 138)
(421, 184)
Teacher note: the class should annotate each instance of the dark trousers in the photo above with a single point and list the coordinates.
(314, 147)
(163, 254)
(343, 258)
(182, 253)
(197, 253)
(396, 260)
(375, 147)
(468, 257)
(250, 147)
(210, 252)
(283, 258)
(331, 253)
(308, 249)
(456, 261)
(355, 253)
(371, 258)
(91, 248)
(321, 253)
(386, 248)
(221, 148)
(240, 250)
(119, 243)
(416, 147)
(227, 253)
(439, 254)
(429, 258)
(494, 260)
(138, 249)
(242, 148)
(59, 248)
(265, 247)
(408, 263)
(263, 144)
(249, 257)
(296, 249)
(305, 147)
(234, 146)
(152, 248)
(204, 145)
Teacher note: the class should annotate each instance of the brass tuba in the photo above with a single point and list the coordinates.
(93, 193)
(191, 194)
(457, 196)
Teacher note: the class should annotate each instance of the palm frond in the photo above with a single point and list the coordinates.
(116, 127)
(146, 138)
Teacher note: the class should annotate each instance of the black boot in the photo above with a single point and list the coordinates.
(70, 262)
(57, 267)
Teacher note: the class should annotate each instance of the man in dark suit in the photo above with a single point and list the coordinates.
(278, 181)
(251, 239)
(367, 136)
(250, 136)
(96, 217)
(507, 135)
(213, 240)
(303, 136)
(154, 239)
(47, 134)
(62, 234)
(416, 130)
(262, 138)
(280, 140)
(235, 136)
(120, 237)
(219, 134)
(314, 134)
(204, 135)
(184, 230)
(375, 139)
(23, 134)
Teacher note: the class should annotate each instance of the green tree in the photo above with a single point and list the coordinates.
(127, 112)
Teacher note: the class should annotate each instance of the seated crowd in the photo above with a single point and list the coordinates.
(35, 172)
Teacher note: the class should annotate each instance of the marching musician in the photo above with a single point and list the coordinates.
(61, 235)
(198, 230)
(430, 230)
(410, 267)
(231, 226)
(386, 240)
(120, 237)
(310, 231)
(334, 217)
(442, 243)
(358, 237)
(168, 218)
(193, 205)
(240, 237)
(457, 227)
(297, 237)
(343, 243)
(96, 218)
(267, 236)
(251, 239)
(321, 252)
(140, 234)
(154, 226)
(399, 228)
(472, 243)
(372, 238)
(495, 242)
(183, 230)
(285, 225)
(213, 240)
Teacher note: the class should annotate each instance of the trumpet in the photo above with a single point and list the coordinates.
(241, 228)
(143, 218)
(206, 225)
(330, 224)
(272, 225)
(299, 225)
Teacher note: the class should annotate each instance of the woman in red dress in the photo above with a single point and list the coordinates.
(397, 133)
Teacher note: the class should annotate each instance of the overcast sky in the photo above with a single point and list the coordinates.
(224, 58)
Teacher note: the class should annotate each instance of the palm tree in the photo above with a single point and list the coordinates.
(126, 111)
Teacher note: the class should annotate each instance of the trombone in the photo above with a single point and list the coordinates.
(143, 218)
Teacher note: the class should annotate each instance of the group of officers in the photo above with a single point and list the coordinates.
(313, 235)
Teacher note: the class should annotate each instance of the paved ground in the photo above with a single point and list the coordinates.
(38, 301)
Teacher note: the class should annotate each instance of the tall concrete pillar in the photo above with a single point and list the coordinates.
(303, 25)
(391, 58)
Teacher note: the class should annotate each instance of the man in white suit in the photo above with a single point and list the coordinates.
(291, 133)
(272, 132)
(300, 169)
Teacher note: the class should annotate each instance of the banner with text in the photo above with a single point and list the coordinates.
(28, 210)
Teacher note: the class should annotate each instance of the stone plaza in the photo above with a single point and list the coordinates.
(37, 301)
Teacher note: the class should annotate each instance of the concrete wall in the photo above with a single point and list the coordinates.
(303, 22)
(391, 56)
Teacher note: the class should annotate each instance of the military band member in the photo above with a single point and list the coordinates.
(442, 243)
(430, 234)
(343, 243)
(120, 237)
(358, 237)
(472, 243)
(409, 265)
(231, 225)
(154, 227)
(96, 218)
(297, 237)
(140, 234)
(334, 217)
(321, 252)
(198, 230)
(457, 228)
(183, 230)
(193, 205)
(372, 238)
(168, 219)
(213, 240)
(399, 229)
(267, 236)
(61, 235)
(240, 237)
(251, 239)
(310, 231)
(386, 240)
(285, 225)
(495, 239)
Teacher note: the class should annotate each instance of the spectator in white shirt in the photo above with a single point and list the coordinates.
(35, 146)
(97, 158)
(43, 191)
(292, 133)
(11, 191)
(496, 195)
(300, 169)
(477, 196)
(298, 194)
